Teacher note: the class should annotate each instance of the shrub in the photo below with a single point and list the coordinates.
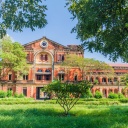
(16, 95)
(88, 94)
(113, 96)
(21, 95)
(2, 94)
(124, 100)
(120, 95)
(98, 95)
(9, 93)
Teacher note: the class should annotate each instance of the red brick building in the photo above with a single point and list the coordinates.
(44, 57)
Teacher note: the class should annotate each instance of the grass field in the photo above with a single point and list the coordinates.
(51, 116)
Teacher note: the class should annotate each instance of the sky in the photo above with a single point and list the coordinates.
(58, 29)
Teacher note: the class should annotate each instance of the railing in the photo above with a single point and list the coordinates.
(43, 81)
(7, 81)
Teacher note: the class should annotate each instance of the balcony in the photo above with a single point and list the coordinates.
(7, 81)
(43, 81)
(43, 73)
(24, 81)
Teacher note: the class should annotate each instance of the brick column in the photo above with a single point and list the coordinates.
(100, 80)
(106, 92)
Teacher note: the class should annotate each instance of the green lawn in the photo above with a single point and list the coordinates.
(51, 116)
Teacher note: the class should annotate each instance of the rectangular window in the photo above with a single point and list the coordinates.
(60, 57)
(25, 91)
(61, 77)
(47, 77)
(25, 77)
(39, 77)
(10, 77)
(9, 89)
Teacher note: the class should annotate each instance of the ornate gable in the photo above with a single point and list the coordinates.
(44, 43)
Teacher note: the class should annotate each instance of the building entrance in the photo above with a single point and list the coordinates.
(40, 94)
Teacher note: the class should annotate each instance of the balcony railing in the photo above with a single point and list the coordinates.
(43, 81)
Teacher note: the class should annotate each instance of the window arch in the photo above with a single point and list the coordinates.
(47, 70)
(39, 70)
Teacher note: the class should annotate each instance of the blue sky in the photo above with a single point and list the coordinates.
(58, 29)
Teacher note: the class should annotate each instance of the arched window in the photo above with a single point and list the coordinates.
(44, 57)
(75, 78)
(103, 79)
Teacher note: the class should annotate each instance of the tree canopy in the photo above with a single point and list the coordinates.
(67, 93)
(102, 26)
(88, 66)
(12, 57)
(19, 14)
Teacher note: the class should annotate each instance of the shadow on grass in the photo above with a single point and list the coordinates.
(111, 117)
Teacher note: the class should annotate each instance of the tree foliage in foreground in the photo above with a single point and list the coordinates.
(19, 14)
(67, 93)
(102, 26)
(12, 57)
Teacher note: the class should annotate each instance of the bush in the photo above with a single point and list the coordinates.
(113, 96)
(2, 94)
(120, 95)
(9, 93)
(98, 95)
(87, 95)
(21, 95)
(16, 95)
(124, 100)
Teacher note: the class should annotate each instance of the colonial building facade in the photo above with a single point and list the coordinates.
(44, 57)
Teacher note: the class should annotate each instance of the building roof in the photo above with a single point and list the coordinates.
(69, 47)
(118, 64)
(46, 39)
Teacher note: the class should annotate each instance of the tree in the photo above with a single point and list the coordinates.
(87, 66)
(12, 57)
(67, 93)
(102, 26)
(19, 14)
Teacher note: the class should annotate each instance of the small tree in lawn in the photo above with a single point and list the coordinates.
(67, 93)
